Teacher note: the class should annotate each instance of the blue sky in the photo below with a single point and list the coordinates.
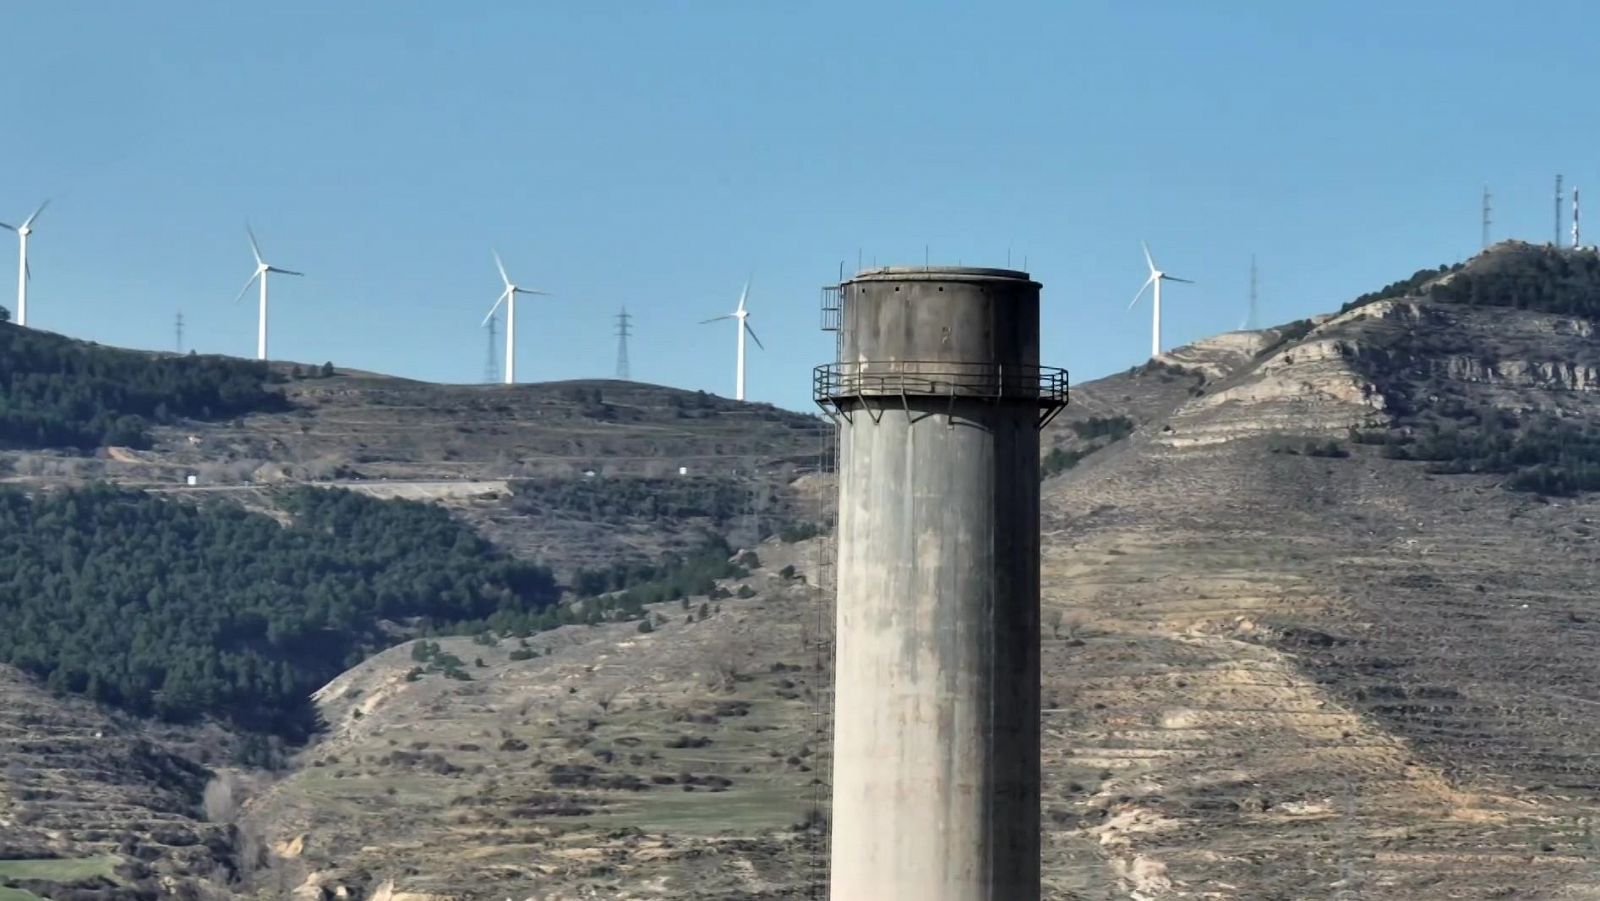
(654, 154)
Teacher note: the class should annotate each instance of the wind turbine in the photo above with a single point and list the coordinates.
(23, 273)
(262, 268)
(509, 298)
(1156, 278)
(742, 316)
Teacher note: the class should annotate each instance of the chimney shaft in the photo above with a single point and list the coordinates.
(939, 398)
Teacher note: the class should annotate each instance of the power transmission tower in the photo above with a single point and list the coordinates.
(1558, 211)
(1487, 209)
(177, 327)
(623, 331)
(491, 362)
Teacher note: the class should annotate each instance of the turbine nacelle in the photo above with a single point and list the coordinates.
(26, 228)
(741, 315)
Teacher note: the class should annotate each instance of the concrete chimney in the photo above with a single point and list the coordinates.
(939, 398)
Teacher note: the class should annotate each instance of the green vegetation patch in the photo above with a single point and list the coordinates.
(57, 392)
(1097, 431)
(1543, 279)
(59, 869)
(622, 590)
(183, 611)
(1548, 455)
(1406, 287)
(616, 500)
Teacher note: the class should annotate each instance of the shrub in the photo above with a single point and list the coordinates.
(1325, 449)
(799, 531)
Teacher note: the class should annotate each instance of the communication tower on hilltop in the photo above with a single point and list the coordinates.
(1576, 236)
(491, 362)
(1487, 209)
(1558, 212)
(1253, 320)
(623, 331)
(177, 327)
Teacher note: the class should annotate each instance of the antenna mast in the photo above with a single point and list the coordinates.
(1575, 235)
(1252, 322)
(1487, 209)
(491, 362)
(1558, 211)
(177, 327)
(623, 331)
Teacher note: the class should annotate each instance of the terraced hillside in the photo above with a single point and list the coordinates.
(103, 804)
(680, 762)
(473, 446)
(1292, 665)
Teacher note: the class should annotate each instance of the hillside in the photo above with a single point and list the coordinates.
(1318, 614)
(56, 392)
(501, 457)
(272, 588)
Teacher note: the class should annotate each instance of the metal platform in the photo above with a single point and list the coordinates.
(834, 383)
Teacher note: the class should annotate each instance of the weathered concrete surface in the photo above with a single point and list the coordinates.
(936, 724)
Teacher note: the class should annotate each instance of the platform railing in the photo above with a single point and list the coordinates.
(857, 380)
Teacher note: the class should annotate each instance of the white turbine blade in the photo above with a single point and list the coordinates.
(496, 308)
(255, 249)
(1173, 278)
(1142, 289)
(8, 227)
(742, 295)
(753, 335)
(716, 319)
(502, 267)
(29, 221)
(1150, 261)
(284, 271)
(253, 277)
(529, 291)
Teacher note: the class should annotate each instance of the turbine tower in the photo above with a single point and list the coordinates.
(742, 317)
(23, 273)
(262, 269)
(1155, 278)
(509, 298)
